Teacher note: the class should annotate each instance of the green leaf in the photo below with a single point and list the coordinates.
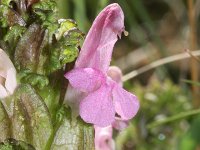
(66, 49)
(12, 37)
(45, 5)
(30, 119)
(51, 96)
(9, 17)
(21, 129)
(190, 140)
(69, 54)
(3, 11)
(74, 36)
(48, 14)
(28, 48)
(65, 25)
(14, 34)
(5, 2)
(34, 79)
(4, 124)
(61, 53)
(11, 144)
(73, 134)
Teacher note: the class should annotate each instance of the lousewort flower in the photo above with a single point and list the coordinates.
(115, 74)
(8, 80)
(100, 97)
(103, 138)
(103, 135)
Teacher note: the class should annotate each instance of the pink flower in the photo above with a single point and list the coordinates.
(8, 80)
(103, 138)
(99, 96)
(116, 74)
(103, 135)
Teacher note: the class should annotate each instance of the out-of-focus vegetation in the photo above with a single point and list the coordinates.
(157, 28)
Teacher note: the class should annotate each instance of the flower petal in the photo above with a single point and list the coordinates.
(98, 46)
(103, 138)
(120, 124)
(115, 74)
(126, 104)
(72, 98)
(97, 108)
(86, 79)
(8, 80)
(11, 82)
(5, 63)
(3, 92)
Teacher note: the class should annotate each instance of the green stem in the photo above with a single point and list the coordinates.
(173, 118)
(194, 83)
(159, 63)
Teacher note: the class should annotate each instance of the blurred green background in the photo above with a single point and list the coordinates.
(167, 119)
